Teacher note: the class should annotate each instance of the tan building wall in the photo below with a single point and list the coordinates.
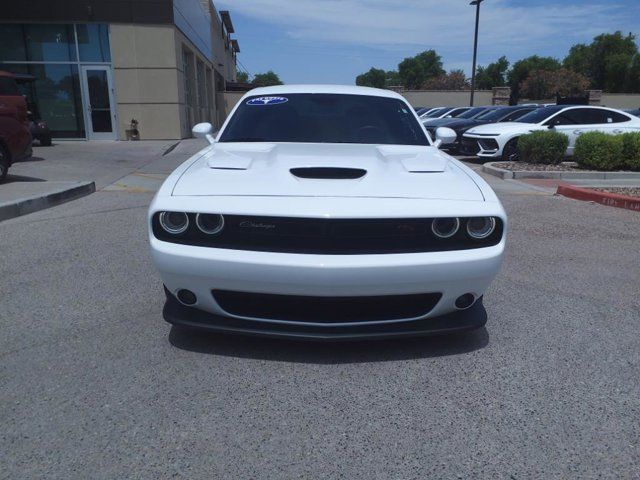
(145, 73)
(624, 101)
(450, 98)
(151, 82)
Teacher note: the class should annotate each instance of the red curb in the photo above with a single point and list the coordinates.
(603, 198)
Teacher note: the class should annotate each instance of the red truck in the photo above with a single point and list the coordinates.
(15, 139)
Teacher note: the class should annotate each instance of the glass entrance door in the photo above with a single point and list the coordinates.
(100, 109)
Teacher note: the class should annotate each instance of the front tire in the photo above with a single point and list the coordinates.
(510, 151)
(45, 141)
(4, 163)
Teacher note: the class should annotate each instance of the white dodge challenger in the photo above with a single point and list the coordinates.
(326, 213)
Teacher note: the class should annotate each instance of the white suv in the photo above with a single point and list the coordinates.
(499, 140)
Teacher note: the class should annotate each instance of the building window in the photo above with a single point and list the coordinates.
(202, 92)
(48, 52)
(93, 42)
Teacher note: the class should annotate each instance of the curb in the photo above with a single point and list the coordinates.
(24, 206)
(603, 198)
(509, 174)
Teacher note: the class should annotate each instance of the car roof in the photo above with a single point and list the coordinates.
(335, 89)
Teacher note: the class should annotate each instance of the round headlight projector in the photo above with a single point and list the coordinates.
(209, 223)
(480, 227)
(174, 222)
(445, 227)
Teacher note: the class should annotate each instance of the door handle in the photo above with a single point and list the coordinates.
(618, 132)
(577, 132)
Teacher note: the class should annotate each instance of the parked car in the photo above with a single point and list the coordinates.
(38, 128)
(446, 112)
(15, 139)
(310, 216)
(499, 140)
(489, 115)
(635, 113)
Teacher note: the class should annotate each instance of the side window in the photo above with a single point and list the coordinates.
(516, 114)
(616, 117)
(561, 119)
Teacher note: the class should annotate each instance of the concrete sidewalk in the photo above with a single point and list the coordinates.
(71, 169)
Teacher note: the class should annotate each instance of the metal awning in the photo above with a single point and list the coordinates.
(226, 21)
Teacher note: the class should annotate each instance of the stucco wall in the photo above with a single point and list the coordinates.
(145, 72)
(450, 98)
(621, 100)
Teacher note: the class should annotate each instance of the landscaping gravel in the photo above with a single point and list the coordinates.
(628, 191)
(538, 167)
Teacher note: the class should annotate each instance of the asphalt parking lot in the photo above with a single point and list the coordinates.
(96, 385)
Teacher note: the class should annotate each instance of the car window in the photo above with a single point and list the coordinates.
(8, 86)
(456, 112)
(324, 118)
(517, 114)
(616, 117)
(540, 115)
(472, 112)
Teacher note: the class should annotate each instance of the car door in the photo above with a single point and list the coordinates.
(569, 123)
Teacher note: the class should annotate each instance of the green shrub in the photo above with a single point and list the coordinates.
(599, 151)
(631, 150)
(546, 146)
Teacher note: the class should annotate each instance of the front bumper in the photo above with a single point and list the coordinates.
(203, 270)
(177, 314)
(487, 147)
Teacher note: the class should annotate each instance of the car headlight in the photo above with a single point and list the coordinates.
(210, 223)
(480, 227)
(174, 223)
(445, 227)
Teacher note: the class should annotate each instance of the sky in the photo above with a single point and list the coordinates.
(332, 41)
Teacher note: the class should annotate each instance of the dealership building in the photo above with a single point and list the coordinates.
(99, 64)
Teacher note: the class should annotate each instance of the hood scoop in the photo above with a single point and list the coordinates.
(328, 173)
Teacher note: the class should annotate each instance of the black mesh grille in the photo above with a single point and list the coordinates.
(327, 310)
(469, 146)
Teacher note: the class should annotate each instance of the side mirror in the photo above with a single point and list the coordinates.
(203, 130)
(445, 136)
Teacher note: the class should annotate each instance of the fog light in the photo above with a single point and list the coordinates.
(465, 301)
(187, 297)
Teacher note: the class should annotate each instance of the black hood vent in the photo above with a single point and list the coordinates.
(328, 173)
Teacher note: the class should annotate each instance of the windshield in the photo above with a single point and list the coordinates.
(435, 113)
(472, 112)
(539, 115)
(324, 118)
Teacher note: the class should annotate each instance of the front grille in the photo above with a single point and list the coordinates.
(489, 144)
(328, 310)
(469, 146)
(327, 236)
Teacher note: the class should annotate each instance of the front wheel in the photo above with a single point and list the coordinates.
(4, 164)
(510, 151)
(45, 141)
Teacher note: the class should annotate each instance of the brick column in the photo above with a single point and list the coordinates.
(501, 95)
(595, 97)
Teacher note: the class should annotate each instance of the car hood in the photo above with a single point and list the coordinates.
(504, 128)
(383, 171)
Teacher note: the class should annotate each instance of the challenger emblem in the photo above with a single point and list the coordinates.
(267, 101)
(257, 225)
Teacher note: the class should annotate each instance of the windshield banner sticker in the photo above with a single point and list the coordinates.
(267, 101)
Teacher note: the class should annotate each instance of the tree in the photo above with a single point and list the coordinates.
(266, 79)
(545, 84)
(522, 68)
(454, 80)
(375, 77)
(632, 84)
(393, 78)
(607, 61)
(415, 71)
(493, 75)
(242, 77)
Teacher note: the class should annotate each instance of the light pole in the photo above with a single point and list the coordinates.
(475, 49)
